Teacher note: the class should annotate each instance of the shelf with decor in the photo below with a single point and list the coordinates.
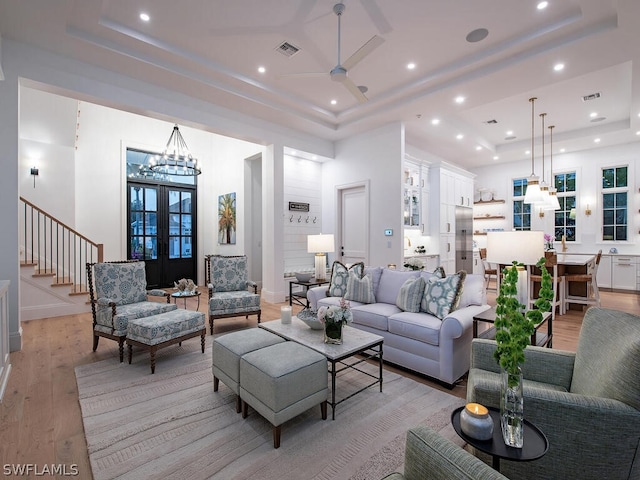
(490, 217)
(488, 202)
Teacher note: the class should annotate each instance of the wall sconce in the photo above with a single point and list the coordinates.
(34, 174)
(587, 210)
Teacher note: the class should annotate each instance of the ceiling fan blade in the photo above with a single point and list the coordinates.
(355, 91)
(373, 43)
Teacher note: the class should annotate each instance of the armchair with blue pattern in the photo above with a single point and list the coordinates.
(118, 292)
(227, 280)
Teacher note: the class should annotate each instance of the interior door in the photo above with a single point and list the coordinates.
(162, 220)
(354, 224)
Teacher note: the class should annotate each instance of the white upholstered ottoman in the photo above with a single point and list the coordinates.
(282, 381)
(227, 350)
(164, 329)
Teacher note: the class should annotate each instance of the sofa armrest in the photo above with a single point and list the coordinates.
(429, 455)
(554, 367)
(316, 293)
(459, 321)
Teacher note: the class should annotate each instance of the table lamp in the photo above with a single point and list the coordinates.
(320, 245)
(523, 246)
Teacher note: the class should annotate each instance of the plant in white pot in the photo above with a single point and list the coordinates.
(514, 327)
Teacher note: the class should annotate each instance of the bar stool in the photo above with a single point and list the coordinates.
(557, 281)
(489, 270)
(593, 294)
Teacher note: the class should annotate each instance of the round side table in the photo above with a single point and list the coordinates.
(185, 295)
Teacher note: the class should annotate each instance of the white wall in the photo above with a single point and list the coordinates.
(375, 156)
(588, 167)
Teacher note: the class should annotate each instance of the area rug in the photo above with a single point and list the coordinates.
(172, 425)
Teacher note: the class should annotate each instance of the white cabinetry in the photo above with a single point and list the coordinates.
(623, 272)
(415, 200)
(604, 272)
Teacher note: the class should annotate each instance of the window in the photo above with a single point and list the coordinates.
(521, 210)
(565, 218)
(615, 190)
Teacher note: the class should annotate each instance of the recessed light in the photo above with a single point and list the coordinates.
(435, 121)
(596, 140)
(527, 152)
(460, 99)
(334, 102)
(314, 157)
(262, 69)
(478, 148)
(593, 114)
(459, 136)
(542, 5)
(477, 35)
(145, 17)
(638, 132)
(562, 150)
(496, 157)
(558, 67)
(509, 132)
(411, 65)
(293, 152)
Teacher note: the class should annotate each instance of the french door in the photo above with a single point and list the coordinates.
(162, 231)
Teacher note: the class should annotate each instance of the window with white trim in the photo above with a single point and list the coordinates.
(521, 210)
(615, 195)
(565, 218)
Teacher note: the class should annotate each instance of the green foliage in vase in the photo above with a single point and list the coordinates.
(513, 327)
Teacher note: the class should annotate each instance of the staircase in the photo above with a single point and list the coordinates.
(53, 258)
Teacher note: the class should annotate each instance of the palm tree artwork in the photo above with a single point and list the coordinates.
(227, 218)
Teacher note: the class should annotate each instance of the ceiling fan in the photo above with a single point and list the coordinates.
(339, 72)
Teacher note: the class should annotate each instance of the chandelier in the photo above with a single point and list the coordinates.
(176, 158)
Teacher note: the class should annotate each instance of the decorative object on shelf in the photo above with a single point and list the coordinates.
(176, 158)
(414, 264)
(310, 318)
(514, 328)
(184, 285)
(420, 249)
(334, 318)
(476, 422)
(303, 277)
(320, 245)
(533, 194)
(548, 242)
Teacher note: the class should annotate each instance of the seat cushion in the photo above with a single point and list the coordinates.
(374, 315)
(417, 326)
(165, 326)
(239, 302)
(125, 313)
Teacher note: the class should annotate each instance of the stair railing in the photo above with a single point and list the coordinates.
(56, 249)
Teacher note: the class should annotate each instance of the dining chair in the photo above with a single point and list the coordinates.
(535, 277)
(489, 269)
(589, 277)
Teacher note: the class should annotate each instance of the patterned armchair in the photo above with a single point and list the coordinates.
(226, 277)
(587, 403)
(118, 292)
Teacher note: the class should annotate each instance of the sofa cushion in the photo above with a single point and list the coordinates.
(411, 294)
(442, 295)
(374, 315)
(474, 291)
(360, 289)
(390, 282)
(340, 277)
(417, 326)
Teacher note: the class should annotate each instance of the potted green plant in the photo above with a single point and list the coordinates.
(514, 326)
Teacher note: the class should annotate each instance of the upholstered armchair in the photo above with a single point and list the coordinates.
(430, 456)
(118, 292)
(587, 403)
(227, 280)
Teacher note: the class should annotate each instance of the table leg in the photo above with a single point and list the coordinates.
(475, 328)
(333, 390)
(290, 294)
(380, 372)
(496, 463)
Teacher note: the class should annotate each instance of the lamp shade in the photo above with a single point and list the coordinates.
(320, 243)
(524, 246)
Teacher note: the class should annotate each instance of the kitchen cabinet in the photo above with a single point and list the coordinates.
(415, 199)
(603, 277)
(623, 272)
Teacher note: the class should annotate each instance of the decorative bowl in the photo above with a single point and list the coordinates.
(310, 317)
(303, 277)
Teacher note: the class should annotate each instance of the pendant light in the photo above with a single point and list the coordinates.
(544, 187)
(533, 194)
(553, 191)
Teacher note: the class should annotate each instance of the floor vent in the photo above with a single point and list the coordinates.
(287, 49)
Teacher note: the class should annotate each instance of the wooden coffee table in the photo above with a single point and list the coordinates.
(354, 342)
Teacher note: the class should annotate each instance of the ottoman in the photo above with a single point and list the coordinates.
(227, 350)
(282, 381)
(164, 329)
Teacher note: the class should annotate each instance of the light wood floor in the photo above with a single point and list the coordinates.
(40, 420)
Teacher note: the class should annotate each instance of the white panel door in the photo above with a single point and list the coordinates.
(353, 225)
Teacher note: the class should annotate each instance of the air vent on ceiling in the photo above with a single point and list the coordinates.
(287, 49)
(593, 96)
(491, 121)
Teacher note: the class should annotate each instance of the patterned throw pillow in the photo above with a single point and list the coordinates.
(411, 294)
(360, 289)
(439, 272)
(340, 277)
(441, 295)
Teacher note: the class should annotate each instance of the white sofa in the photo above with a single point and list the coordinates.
(418, 341)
